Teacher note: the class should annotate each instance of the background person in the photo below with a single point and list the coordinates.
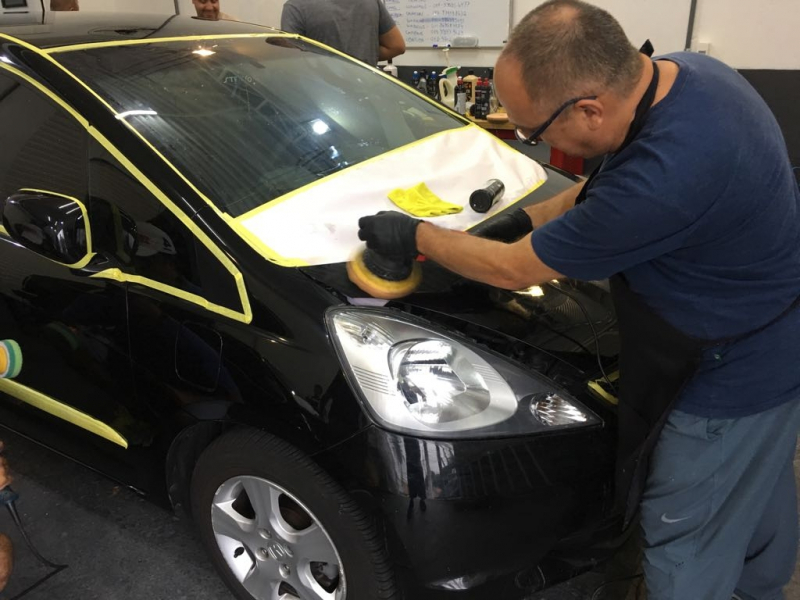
(210, 10)
(695, 217)
(363, 29)
(64, 5)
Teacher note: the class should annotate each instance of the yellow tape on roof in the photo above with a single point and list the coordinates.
(139, 42)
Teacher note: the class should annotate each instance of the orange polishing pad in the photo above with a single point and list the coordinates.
(377, 287)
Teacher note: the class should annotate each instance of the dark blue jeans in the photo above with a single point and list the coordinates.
(719, 513)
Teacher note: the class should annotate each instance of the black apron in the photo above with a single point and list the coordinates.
(656, 360)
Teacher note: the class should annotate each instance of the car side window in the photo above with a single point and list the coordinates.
(43, 147)
(147, 240)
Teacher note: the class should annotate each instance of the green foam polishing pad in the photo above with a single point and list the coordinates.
(13, 355)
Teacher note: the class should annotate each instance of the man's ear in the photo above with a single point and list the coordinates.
(592, 112)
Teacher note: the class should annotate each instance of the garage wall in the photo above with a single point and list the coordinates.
(140, 6)
(663, 21)
(761, 39)
(255, 11)
(751, 35)
(746, 35)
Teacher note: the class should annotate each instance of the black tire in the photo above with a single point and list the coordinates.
(250, 453)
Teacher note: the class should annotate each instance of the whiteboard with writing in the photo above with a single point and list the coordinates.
(466, 23)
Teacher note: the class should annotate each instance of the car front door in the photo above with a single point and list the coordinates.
(75, 391)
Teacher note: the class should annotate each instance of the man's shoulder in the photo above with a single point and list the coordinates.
(300, 4)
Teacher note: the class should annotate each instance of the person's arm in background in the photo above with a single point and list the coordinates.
(292, 20)
(390, 37)
(392, 44)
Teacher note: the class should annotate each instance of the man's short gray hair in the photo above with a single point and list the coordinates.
(569, 48)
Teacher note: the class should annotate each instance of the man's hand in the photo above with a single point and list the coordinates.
(508, 227)
(390, 233)
(5, 475)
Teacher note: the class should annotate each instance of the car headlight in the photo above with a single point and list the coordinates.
(415, 378)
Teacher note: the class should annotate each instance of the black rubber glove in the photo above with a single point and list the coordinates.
(390, 233)
(508, 227)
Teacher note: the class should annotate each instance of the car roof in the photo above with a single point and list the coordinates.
(63, 29)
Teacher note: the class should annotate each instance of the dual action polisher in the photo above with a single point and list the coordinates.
(385, 277)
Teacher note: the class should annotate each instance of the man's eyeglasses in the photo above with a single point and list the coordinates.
(533, 139)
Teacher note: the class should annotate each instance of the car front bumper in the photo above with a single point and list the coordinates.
(476, 519)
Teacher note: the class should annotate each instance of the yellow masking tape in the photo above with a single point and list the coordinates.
(89, 254)
(246, 314)
(260, 247)
(256, 243)
(212, 248)
(598, 390)
(139, 42)
(313, 184)
(117, 275)
(61, 411)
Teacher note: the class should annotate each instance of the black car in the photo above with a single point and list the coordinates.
(456, 443)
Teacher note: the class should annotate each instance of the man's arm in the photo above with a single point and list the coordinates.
(512, 266)
(554, 207)
(392, 44)
(509, 266)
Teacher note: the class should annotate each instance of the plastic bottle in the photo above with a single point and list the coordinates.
(470, 81)
(390, 69)
(480, 100)
(484, 199)
(494, 101)
(461, 98)
(477, 93)
(423, 82)
(433, 85)
(415, 79)
(447, 86)
(487, 98)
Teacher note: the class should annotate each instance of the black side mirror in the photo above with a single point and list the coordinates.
(50, 225)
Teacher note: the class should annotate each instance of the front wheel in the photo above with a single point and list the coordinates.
(277, 527)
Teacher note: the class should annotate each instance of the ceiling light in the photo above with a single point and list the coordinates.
(320, 127)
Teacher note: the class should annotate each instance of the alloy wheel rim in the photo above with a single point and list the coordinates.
(273, 544)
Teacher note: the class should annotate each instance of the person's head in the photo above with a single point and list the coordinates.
(207, 9)
(66, 5)
(562, 51)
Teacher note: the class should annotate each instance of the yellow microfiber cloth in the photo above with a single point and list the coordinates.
(420, 201)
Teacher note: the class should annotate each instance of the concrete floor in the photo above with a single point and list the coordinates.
(121, 547)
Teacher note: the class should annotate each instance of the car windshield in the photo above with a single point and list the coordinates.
(251, 119)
